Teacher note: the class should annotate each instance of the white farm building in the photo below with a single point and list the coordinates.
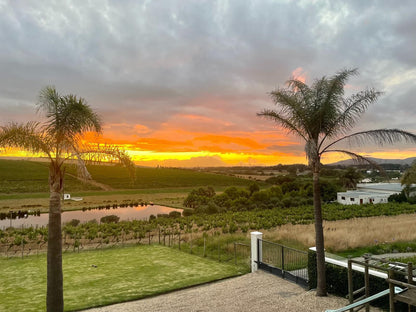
(369, 193)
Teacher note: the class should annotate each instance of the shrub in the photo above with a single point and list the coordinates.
(174, 214)
(187, 212)
(110, 219)
(73, 222)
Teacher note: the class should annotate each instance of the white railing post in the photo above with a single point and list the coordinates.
(256, 252)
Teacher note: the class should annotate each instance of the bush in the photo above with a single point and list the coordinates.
(110, 219)
(73, 222)
(187, 212)
(174, 214)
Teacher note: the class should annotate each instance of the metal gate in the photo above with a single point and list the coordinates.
(286, 262)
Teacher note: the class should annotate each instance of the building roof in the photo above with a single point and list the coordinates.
(362, 193)
(381, 187)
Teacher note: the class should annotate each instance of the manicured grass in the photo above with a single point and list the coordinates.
(121, 274)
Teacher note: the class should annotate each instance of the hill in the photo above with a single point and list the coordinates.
(22, 176)
(380, 161)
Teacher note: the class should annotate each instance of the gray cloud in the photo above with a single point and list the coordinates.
(145, 61)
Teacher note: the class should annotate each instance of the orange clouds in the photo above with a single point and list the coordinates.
(299, 74)
(191, 136)
(189, 140)
(231, 141)
(141, 129)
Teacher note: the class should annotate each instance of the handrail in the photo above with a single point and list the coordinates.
(402, 284)
(397, 290)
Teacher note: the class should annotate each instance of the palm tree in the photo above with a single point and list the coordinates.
(60, 139)
(350, 178)
(322, 117)
(408, 180)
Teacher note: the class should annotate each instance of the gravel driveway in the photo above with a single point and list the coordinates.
(258, 292)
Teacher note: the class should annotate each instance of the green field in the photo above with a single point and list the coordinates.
(121, 274)
(24, 184)
(20, 176)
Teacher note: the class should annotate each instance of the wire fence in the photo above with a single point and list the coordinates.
(226, 248)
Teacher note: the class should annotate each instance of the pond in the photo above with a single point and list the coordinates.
(125, 213)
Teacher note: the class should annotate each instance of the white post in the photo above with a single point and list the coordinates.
(255, 256)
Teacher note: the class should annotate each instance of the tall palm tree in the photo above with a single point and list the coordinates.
(323, 118)
(60, 139)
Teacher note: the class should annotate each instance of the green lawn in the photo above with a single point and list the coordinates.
(121, 274)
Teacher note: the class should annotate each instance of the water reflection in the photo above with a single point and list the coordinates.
(125, 213)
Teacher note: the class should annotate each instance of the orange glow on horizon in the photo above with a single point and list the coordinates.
(179, 147)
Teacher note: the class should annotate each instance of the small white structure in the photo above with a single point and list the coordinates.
(359, 198)
(68, 197)
(369, 193)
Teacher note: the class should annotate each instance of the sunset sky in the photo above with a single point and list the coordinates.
(179, 83)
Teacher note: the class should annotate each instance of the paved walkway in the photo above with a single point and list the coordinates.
(260, 292)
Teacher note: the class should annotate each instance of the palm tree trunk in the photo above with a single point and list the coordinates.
(54, 294)
(319, 232)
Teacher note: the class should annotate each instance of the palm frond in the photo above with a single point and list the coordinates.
(336, 84)
(354, 107)
(285, 123)
(27, 136)
(292, 108)
(378, 136)
(68, 116)
(48, 101)
(357, 158)
(301, 87)
(90, 153)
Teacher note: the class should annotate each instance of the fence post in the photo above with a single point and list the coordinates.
(204, 255)
(391, 287)
(410, 279)
(367, 283)
(256, 252)
(219, 254)
(350, 282)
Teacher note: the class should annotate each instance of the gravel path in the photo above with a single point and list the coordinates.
(258, 292)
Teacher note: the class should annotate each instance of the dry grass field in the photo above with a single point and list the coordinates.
(352, 233)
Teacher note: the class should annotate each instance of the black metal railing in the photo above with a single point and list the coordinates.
(283, 261)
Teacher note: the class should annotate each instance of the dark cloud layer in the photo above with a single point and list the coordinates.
(142, 62)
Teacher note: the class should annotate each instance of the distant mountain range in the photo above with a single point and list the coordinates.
(380, 161)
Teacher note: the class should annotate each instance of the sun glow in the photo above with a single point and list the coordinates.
(176, 147)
